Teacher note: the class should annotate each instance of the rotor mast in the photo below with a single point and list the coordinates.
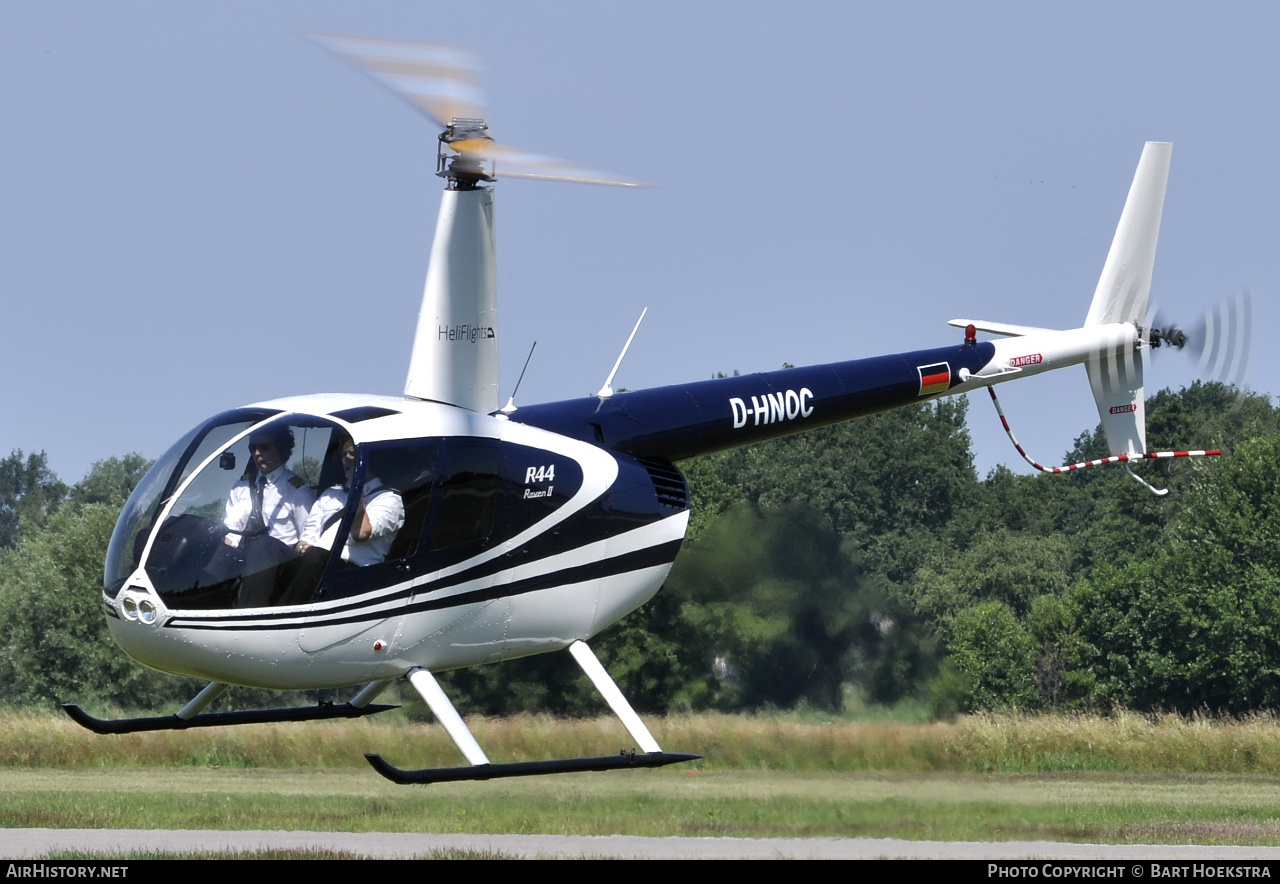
(455, 349)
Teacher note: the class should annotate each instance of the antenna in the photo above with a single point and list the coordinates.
(607, 390)
(510, 407)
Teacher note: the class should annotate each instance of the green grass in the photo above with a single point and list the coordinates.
(1071, 807)
(1123, 742)
(1123, 778)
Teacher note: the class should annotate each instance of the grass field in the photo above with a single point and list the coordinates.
(1119, 779)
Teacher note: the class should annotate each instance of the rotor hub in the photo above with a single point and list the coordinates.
(464, 155)
(1170, 334)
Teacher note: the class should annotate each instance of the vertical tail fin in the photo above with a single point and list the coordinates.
(1115, 375)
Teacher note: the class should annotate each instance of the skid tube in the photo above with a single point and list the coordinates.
(218, 719)
(625, 759)
(190, 716)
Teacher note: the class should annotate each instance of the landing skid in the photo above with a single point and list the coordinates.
(650, 754)
(217, 719)
(480, 768)
(189, 716)
(526, 768)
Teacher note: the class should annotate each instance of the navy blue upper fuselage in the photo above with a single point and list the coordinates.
(686, 420)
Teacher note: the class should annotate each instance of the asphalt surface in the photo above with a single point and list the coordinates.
(31, 843)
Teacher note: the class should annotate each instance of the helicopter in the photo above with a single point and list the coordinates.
(508, 531)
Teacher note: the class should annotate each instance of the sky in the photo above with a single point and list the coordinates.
(200, 208)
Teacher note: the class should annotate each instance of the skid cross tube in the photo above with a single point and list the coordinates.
(480, 768)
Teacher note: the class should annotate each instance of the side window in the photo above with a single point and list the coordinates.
(410, 471)
(468, 496)
(404, 472)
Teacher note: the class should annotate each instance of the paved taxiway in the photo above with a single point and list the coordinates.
(31, 843)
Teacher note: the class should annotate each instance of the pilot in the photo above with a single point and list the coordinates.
(379, 516)
(266, 513)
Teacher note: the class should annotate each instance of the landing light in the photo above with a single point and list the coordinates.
(143, 610)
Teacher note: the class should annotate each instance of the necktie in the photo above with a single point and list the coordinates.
(256, 522)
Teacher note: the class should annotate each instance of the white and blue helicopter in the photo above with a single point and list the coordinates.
(523, 530)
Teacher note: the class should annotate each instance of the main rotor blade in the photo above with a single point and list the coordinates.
(511, 162)
(443, 82)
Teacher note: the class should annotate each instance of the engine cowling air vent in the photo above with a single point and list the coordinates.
(668, 482)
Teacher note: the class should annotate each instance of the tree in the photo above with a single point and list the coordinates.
(1192, 624)
(1012, 567)
(890, 483)
(111, 481)
(54, 642)
(786, 614)
(997, 654)
(29, 493)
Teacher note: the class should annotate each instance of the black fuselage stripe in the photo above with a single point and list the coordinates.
(475, 572)
(649, 557)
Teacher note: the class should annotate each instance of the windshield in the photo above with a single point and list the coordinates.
(239, 511)
(124, 553)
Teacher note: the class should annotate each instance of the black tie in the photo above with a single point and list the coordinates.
(256, 522)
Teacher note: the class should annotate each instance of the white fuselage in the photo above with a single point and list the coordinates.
(458, 614)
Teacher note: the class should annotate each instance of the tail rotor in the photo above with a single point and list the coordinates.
(1222, 340)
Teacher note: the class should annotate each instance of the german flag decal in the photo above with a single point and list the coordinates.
(934, 378)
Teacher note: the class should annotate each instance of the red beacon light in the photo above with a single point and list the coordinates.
(970, 335)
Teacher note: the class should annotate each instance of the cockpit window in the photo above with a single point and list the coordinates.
(257, 510)
(124, 553)
(282, 512)
(239, 514)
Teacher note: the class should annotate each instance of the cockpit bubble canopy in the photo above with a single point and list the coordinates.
(187, 493)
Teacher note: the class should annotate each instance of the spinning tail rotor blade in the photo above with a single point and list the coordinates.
(1220, 341)
(1222, 338)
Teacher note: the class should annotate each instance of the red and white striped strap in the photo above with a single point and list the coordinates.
(1115, 458)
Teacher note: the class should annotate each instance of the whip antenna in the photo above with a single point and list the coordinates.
(511, 402)
(607, 390)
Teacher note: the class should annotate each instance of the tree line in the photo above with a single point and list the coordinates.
(865, 560)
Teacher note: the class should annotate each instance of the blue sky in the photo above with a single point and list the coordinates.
(200, 208)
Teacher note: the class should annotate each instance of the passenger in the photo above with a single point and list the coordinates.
(379, 516)
(266, 513)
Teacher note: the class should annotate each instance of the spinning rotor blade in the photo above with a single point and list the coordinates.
(444, 82)
(1220, 340)
(511, 162)
(441, 81)
(1223, 338)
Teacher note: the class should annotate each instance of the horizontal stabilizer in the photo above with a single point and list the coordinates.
(1007, 329)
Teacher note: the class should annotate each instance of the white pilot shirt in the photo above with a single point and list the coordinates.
(286, 503)
(386, 517)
